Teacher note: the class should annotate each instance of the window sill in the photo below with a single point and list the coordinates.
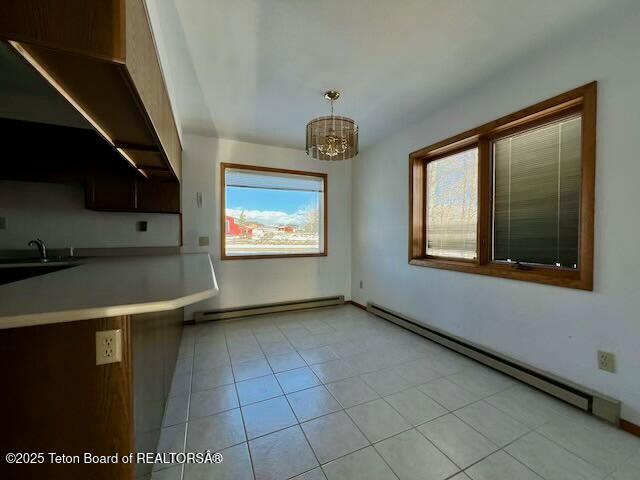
(549, 276)
(257, 257)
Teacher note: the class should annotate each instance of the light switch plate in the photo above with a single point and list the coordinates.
(108, 346)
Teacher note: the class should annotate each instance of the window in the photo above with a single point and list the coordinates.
(536, 195)
(268, 212)
(513, 198)
(452, 205)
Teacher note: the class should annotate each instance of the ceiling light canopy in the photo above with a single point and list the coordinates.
(332, 137)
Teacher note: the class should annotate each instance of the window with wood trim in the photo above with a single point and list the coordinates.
(272, 213)
(513, 198)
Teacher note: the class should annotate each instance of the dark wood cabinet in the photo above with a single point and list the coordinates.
(111, 193)
(117, 193)
(157, 196)
(101, 56)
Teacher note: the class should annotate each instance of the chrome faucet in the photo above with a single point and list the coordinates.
(42, 248)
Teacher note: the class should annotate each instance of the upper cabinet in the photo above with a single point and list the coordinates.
(101, 56)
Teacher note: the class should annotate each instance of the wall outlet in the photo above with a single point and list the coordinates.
(142, 226)
(361, 283)
(606, 361)
(203, 241)
(108, 347)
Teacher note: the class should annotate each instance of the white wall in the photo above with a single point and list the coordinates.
(56, 214)
(255, 281)
(553, 328)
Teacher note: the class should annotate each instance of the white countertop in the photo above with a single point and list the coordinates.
(108, 287)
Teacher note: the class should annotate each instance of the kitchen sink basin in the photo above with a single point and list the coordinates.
(20, 270)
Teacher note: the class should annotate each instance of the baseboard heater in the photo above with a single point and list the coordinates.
(599, 405)
(237, 312)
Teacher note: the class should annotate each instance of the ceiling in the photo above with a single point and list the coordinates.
(255, 70)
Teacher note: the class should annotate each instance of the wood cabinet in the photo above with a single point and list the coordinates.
(117, 193)
(110, 193)
(58, 400)
(155, 344)
(101, 56)
(158, 196)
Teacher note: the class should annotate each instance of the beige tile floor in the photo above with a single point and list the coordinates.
(339, 394)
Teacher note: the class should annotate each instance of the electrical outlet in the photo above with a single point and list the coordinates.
(361, 283)
(606, 361)
(203, 241)
(142, 226)
(108, 347)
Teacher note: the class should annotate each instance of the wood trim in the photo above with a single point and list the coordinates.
(325, 208)
(580, 100)
(588, 186)
(548, 276)
(630, 427)
(536, 122)
(417, 228)
(561, 102)
(356, 304)
(223, 208)
(280, 255)
(243, 166)
(484, 230)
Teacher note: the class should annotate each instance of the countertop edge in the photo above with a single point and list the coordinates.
(48, 318)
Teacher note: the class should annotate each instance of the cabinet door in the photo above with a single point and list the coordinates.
(158, 196)
(111, 192)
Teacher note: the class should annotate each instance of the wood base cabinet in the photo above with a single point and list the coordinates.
(57, 400)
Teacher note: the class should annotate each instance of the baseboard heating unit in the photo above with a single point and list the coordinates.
(599, 405)
(229, 313)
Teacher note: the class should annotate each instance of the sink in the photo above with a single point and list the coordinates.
(18, 270)
(35, 262)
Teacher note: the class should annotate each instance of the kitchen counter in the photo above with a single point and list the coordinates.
(108, 287)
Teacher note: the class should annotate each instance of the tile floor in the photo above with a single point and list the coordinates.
(339, 394)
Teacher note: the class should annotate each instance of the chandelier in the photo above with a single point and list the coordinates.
(332, 137)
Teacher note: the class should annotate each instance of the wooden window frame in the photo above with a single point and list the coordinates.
(325, 213)
(580, 100)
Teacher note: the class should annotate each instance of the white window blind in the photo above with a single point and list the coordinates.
(452, 205)
(273, 180)
(537, 195)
